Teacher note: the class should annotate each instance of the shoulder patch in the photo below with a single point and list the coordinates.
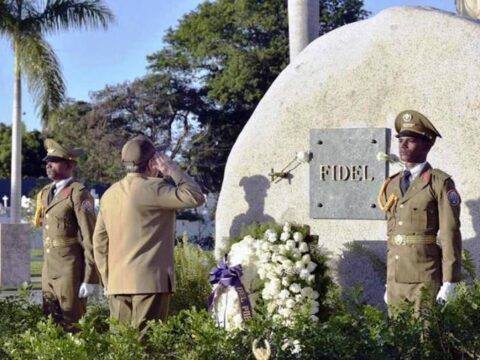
(87, 206)
(453, 197)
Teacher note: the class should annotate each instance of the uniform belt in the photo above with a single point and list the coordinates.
(60, 242)
(413, 239)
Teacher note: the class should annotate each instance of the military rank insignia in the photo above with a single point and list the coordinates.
(453, 197)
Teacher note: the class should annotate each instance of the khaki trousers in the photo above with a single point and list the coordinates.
(137, 309)
(60, 299)
(417, 294)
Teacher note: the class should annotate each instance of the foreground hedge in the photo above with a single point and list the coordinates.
(352, 331)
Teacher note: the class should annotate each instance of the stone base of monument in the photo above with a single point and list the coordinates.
(14, 254)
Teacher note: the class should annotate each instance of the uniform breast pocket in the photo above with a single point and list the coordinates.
(60, 222)
(432, 216)
(418, 217)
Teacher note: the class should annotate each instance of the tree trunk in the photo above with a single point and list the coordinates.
(16, 167)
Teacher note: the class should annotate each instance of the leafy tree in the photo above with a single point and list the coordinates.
(229, 52)
(25, 23)
(78, 124)
(32, 152)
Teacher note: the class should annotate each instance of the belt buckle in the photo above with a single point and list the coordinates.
(400, 240)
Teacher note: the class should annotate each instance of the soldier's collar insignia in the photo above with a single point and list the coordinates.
(426, 176)
(453, 197)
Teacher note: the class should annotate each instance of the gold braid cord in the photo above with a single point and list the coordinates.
(382, 195)
(39, 210)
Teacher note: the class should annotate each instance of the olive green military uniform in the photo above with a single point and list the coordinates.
(68, 222)
(424, 240)
(134, 239)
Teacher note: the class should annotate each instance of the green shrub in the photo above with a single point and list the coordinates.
(192, 266)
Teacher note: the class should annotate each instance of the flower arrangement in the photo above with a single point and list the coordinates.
(278, 269)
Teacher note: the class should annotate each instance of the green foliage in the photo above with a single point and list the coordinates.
(192, 266)
(32, 152)
(351, 331)
(25, 25)
(230, 52)
(17, 315)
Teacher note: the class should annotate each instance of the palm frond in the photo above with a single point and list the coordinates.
(66, 14)
(42, 70)
(7, 18)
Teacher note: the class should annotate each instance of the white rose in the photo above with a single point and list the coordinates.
(271, 235)
(290, 244)
(310, 279)
(271, 307)
(314, 318)
(306, 258)
(307, 292)
(286, 281)
(284, 236)
(284, 294)
(315, 295)
(261, 273)
(264, 257)
(249, 239)
(290, 303)
(287, 227)
(287, 264)
(303, 247)
(299, 265)
(297, 347)
(311, 266)
(296, 254)
(304, 274)
(295, 288)
(265, 246)
(298, 236)
(282, 249)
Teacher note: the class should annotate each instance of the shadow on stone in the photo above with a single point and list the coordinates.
(362, 265)
(255, 188)
(473, 244)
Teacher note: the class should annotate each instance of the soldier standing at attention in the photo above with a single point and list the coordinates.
(135, 233)
(65, 210)
(423, 210)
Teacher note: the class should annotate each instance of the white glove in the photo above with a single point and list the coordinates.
(86, 290)
(446, 292)
(385, 295)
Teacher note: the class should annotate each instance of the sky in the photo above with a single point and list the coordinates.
(93, 59)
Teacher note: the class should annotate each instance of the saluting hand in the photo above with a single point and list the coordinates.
(164, 164)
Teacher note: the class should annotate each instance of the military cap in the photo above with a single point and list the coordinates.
(138, 150)
(412, 123)
(55, 151)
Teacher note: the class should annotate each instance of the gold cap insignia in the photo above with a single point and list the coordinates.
(407, 117)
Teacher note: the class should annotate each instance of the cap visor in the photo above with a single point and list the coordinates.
(53, 158)
(410, 134)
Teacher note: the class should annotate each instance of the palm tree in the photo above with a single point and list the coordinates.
(25, 23)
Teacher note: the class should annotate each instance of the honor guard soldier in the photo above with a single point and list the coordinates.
(423, 210)
(135, 233)
(65, 210)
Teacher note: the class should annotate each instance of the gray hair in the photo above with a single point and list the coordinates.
(131, 167)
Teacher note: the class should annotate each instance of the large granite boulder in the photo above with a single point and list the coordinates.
(361, 75)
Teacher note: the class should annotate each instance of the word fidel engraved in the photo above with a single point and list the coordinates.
(345, 175)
